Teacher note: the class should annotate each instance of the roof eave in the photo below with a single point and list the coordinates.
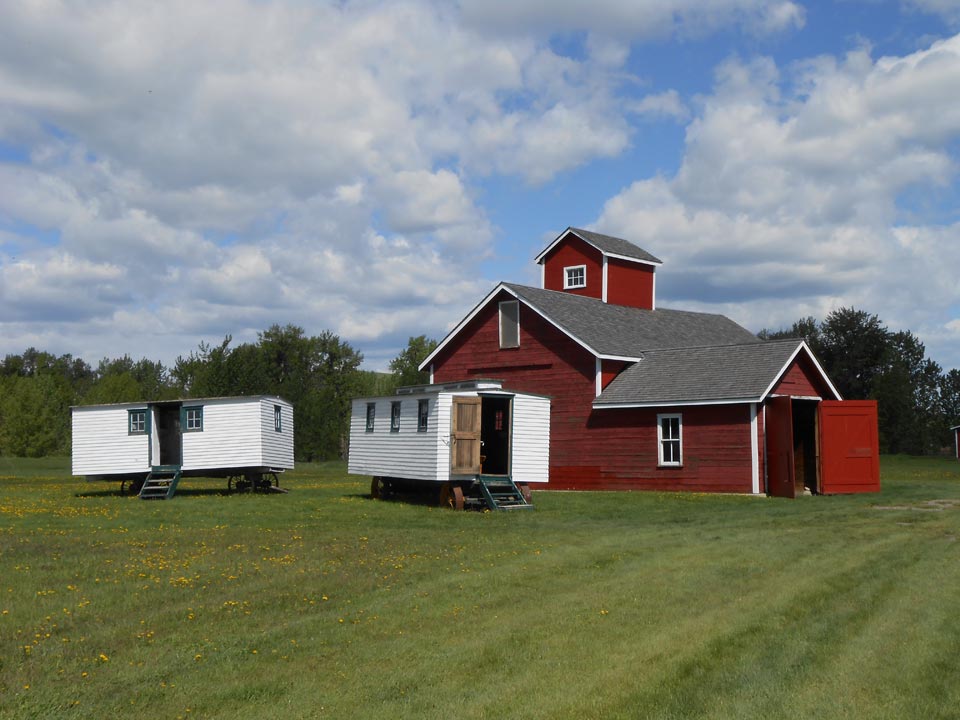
(540, 258)
(676, 403)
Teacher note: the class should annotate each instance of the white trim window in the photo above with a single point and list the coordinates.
(509, 324)
(371, 416)
(670, 440)
(574, 276)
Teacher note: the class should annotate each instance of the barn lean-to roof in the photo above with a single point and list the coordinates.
(705, 375)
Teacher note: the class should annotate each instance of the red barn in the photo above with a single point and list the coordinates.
(649, 398)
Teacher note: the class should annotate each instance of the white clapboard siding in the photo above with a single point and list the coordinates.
(102, 444)
(408, 453)
(230, 437)
(414, 455)
(237, 433)
(531, 439)
(277, 446)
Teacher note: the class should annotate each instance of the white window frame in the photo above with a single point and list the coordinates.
(371, 416)
(511, 344)
(661, 440)
(277, 418)
(137, 422)
(193, 418)
(567, 271)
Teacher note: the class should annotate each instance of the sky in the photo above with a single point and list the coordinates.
(175, 172)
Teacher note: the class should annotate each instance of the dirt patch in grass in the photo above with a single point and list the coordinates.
(925, 506)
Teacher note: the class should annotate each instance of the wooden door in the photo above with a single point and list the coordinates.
(849, 446)
(779, 425)
(465, 424)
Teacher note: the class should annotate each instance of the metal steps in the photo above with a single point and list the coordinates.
(501, 493)
(161, 482)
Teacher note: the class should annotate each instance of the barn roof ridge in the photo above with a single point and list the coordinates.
(606, 244)
(624, 331)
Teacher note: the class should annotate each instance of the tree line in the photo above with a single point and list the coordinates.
(317, 374)
(917, 401)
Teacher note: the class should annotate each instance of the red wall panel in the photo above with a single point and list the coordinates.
(574, 251)
(629, 283)
(802, 379)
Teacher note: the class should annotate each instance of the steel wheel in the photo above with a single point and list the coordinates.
(451, 496)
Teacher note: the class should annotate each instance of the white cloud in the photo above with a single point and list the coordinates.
(794, 192)
(635, 18)
(666, 104)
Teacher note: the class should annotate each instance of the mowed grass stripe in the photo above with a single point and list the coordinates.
(322, 603)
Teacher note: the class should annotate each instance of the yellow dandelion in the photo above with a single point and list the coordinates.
(83, 674)
(104, 658)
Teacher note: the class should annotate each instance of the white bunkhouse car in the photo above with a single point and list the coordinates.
(473, 443)
(149, 446)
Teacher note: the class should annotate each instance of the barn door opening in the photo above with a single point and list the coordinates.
(849, 446)
(780, 457)
(169, 438)
(465, 425)
(495, 435)
(805, 446)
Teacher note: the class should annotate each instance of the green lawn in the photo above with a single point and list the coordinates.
(323, 603)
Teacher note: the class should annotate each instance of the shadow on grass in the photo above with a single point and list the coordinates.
(181, 492)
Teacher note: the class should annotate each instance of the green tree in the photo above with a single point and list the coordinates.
(404, 366)
(35, 415)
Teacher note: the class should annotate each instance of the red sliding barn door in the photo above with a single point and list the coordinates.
(849, 446)
(780, 469)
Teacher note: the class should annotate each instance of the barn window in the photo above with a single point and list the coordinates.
(395, 417)
(575, 277)
(137, 422)
(423, 412)
(509, 324)
(669, 435)
(277, 419)
(193, 419)
(371, 415)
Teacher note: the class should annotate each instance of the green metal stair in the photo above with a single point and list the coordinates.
(161, 482)
(501, 493)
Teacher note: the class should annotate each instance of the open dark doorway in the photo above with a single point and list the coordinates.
(168, 434)
(805, 451)
(495, 435)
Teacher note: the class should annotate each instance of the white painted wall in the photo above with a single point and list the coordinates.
(102, 444)
(237, 433)
(426, 455)
(531, 439)
(404, 454)
(277, 447)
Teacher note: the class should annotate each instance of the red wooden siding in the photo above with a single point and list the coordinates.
(609, 369)
(802, 379)
(600, 449)
(574, 251)
(629, 283)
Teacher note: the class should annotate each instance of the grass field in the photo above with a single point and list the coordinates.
(323, 603)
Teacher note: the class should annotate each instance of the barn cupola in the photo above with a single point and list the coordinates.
(599, 266)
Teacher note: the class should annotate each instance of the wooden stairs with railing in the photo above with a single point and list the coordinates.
(161, 482)
(501, 493)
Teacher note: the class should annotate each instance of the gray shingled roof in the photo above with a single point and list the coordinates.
(614, 245)
(689, 375)
(626, 331)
